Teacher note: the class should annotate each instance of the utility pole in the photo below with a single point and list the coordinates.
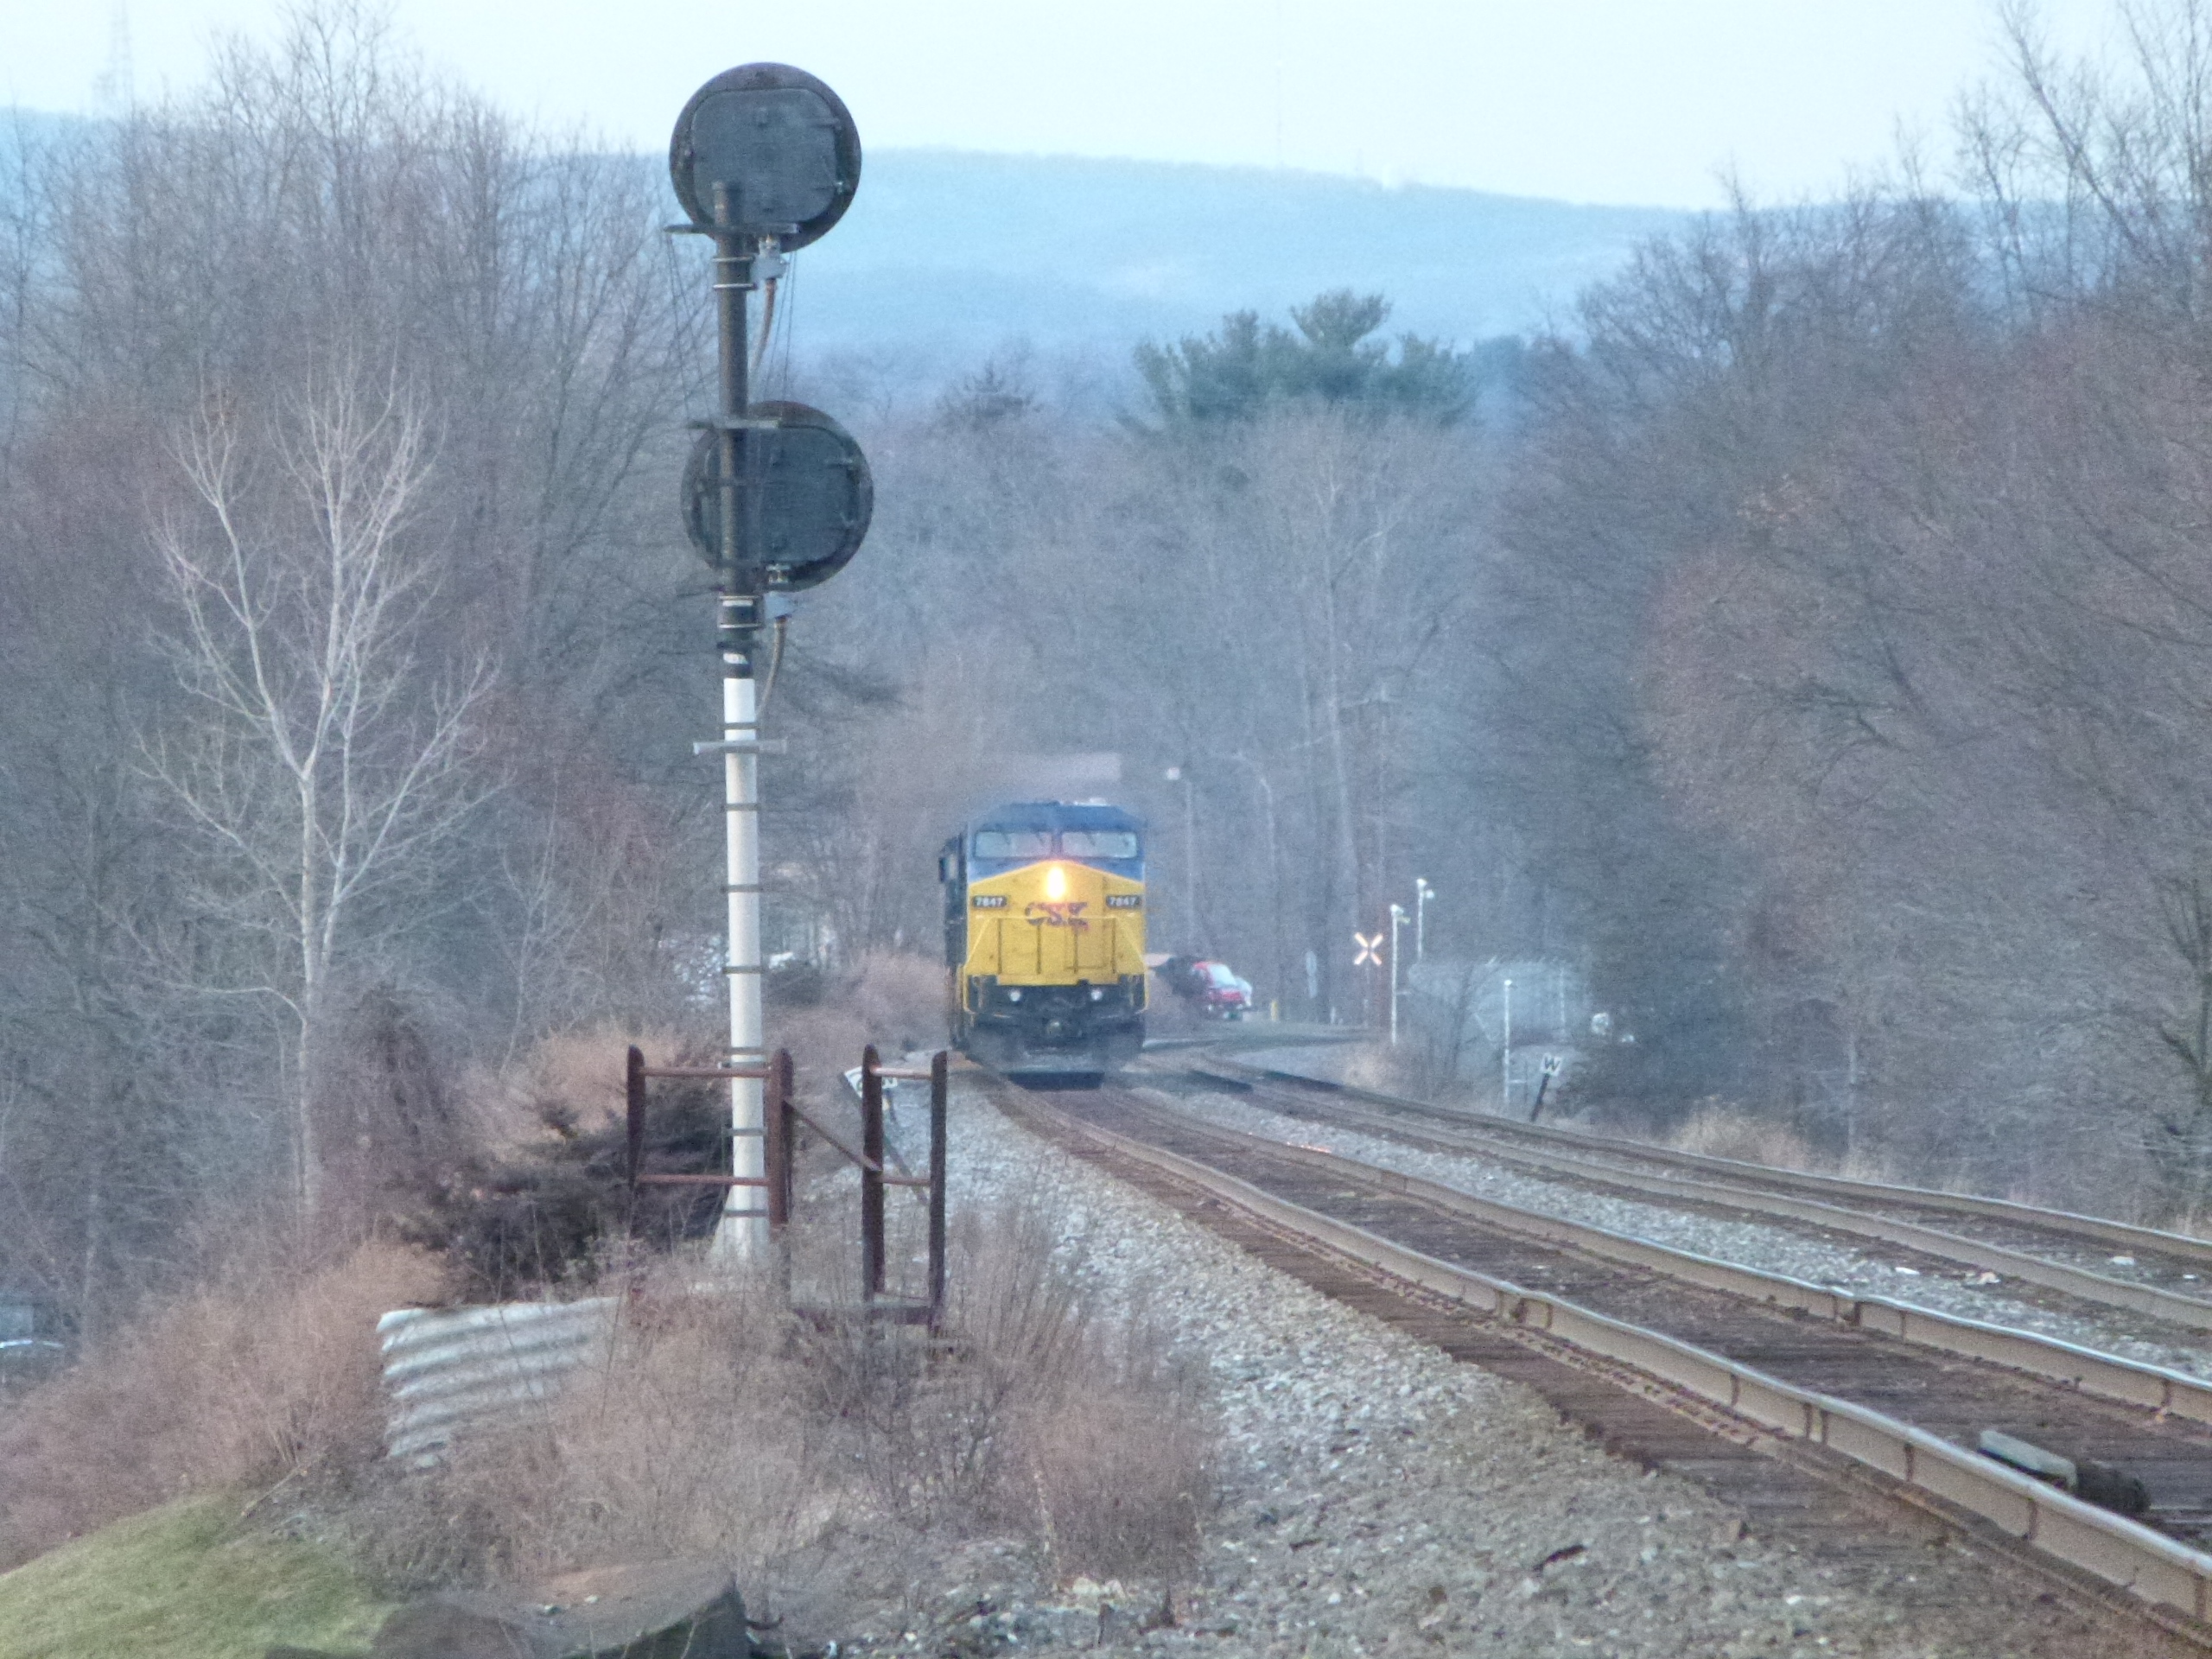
(1397, 921)
(1422, 893)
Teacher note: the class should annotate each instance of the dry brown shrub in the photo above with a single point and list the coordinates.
(901, 997)
(1719, 1130)
(825, 1041)
(1121, 1486)
(817, 1455)
(567, 1084)
(1419, 1071)
(892, 999)
(1074, 1421)
(1372, 1065)
(690, 1438)
(930, 1436)
(268, 1372)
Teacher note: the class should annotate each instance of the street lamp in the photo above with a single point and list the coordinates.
(1397, 921)
(1422, 893)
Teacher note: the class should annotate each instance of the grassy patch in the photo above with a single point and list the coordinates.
(184, 1581)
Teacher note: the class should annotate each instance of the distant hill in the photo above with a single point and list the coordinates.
(949, 255)
(31, 129)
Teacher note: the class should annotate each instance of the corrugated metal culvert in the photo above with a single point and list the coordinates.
(446, 1368)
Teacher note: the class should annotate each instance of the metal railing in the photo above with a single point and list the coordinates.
(874, 1177)
(446, 1370)
(776, 1074)
(781, 1117)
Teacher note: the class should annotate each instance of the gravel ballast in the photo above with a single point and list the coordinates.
(1374, 1496)
(1799, 1251)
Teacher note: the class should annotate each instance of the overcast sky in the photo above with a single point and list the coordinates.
(1630, 101)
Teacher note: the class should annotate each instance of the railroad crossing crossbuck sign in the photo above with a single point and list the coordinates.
(1370, 949)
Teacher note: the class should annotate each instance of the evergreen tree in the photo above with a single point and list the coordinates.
(1332, 357)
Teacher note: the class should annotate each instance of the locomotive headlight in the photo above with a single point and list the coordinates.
(1055, 883)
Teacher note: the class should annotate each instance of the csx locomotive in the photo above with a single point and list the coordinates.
(1043, 931)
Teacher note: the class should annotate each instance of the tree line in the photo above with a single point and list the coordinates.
(1805, 643)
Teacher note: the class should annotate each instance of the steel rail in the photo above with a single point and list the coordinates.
(2108, 1376)
(1843, 1188)
(2168, 1575)
(1479, 1137)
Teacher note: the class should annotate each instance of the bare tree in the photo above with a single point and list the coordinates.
(308, 757)
(322, 199)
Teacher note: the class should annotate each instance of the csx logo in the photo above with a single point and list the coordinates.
(990, 901)
(1066, 913)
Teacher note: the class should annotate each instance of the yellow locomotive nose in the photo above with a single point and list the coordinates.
(1045, 930)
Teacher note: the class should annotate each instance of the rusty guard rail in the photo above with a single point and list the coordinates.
(874, 1177)
(776, 1074)
(780, 1118)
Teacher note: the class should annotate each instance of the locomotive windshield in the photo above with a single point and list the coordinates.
(1030, 832)
(1098, 843)
(1039, 843)
(1015, 843)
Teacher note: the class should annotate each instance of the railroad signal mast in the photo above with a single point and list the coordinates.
(776, 496)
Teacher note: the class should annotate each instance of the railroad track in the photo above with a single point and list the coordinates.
(1801, 1409)
(2140, 1271)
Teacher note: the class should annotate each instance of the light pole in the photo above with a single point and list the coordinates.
(1422, 893)
(1397, 921)
(1274, 871)
(1505, 1058)
(1177, 775)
